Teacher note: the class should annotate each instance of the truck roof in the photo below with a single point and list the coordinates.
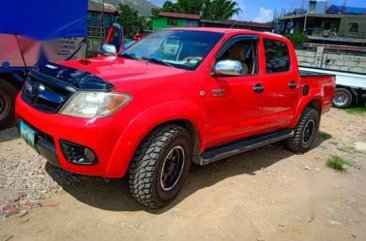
(227, 31)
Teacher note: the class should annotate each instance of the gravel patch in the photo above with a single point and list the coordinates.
(26, 178)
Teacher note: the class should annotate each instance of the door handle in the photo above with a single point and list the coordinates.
(258, 88)
(292, 85)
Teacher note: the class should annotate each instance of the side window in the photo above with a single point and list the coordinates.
(172, 21)
(277, 56)
(353, 27)
(244, 51)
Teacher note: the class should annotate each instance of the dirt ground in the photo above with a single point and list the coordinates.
(265, 194)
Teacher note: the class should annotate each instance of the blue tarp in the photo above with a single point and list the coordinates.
(334, 9)
(44, 19)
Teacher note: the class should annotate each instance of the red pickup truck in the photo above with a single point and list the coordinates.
(178, 96)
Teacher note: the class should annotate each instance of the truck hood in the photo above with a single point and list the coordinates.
(114, 69)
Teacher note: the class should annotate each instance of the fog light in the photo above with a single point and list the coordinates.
(89, 154)
(78, 154)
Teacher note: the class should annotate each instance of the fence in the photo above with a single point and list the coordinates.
(332, 60)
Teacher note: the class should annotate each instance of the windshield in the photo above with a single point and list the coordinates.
(177, 48)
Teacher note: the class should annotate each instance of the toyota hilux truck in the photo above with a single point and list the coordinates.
(178, 96)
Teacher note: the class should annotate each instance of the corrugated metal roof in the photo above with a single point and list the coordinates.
(180, 15)
(239, 23)
(106, 10)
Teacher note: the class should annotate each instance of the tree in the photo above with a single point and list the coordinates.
(298, 38)
(155, 12)
(131, 21)
(169, 6)
(220, 9)
(189, 6)
(208, 9)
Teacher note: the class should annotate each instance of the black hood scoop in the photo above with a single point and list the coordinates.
(78, 79)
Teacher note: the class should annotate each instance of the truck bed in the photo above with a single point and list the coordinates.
(348, 79)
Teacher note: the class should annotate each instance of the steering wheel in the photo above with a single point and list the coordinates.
(190, 58)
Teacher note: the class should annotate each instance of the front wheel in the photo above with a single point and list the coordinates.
(305, 131)
(160, 166)
(7, 100)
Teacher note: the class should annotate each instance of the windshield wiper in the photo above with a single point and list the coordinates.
(157, 61)
(129, 56)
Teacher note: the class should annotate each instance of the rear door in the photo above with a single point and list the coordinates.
(281, 84)
(233, 107)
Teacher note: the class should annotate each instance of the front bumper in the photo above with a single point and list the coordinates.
(100, 135)
(44, 145)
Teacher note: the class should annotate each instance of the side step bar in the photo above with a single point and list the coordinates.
(235, 148)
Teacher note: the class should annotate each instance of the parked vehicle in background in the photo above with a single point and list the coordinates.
(26, 40)
(350, 87)
(176, 97)
(21, 35)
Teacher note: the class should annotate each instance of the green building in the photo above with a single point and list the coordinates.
(171, 20)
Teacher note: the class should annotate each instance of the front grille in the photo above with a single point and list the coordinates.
(46, 93)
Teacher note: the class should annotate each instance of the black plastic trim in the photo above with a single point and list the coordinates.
(335, 70)
(238, 147)
(65, 143)
(305, 73)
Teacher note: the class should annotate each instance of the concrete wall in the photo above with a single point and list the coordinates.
(343, 62)
(347, 20)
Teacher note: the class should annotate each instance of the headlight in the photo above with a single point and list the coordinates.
(93, 104)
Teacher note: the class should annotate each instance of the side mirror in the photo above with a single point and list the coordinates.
(228, 67)
(108, 50)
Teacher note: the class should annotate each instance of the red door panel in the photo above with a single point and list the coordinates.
(232, 109)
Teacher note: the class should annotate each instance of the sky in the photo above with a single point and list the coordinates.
(263, 10)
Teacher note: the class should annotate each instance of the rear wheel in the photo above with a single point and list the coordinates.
(305, 131)
(7, 101)
(160, 166)
(342, 98)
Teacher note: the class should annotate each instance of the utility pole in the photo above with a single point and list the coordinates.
(344, 6)
(102, 25)
(274, 20)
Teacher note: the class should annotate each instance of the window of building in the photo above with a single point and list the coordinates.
(96, 31)
(277, 56)
(353, 27)
(244, 51)
(172, 21)
(327, 25)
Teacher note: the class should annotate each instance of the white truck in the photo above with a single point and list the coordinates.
(350, 86)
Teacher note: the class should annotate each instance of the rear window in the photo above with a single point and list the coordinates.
(277, 56)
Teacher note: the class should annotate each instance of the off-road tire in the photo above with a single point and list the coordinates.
(7, 98)
(346, 94)
(147, 165)
(296, 143)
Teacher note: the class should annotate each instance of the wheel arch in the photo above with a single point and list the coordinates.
(188, 117)
(314, 102)
(351, 89)
(10, 79)
(187, 124)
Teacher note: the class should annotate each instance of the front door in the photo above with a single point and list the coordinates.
(233, 103)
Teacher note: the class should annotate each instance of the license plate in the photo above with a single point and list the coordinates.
(27, 133)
